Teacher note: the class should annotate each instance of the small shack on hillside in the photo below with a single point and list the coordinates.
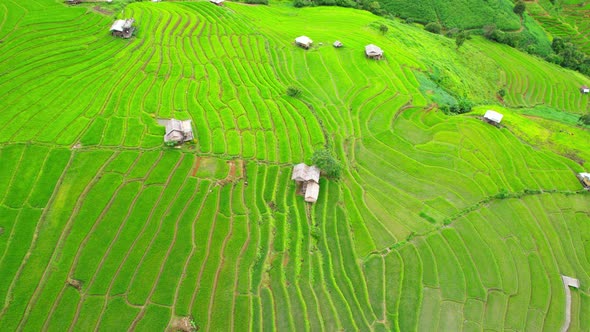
(584, 179)
(178, 131)
(307, 179)
(123, 28)
(337, 44)
(73, 2)
(584, 89)
(217, 2)
(493, 117)
(304, 42)
(373, 52)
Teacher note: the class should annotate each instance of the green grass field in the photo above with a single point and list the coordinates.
(438, 223)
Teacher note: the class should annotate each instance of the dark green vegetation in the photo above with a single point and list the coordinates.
(439, 222)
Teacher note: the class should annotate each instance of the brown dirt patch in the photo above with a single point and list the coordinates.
(103, 11)
(185, 324)
(197, 164)
(77, 284)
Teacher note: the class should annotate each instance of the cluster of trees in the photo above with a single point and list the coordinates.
(463, 105)
(567, 55)
(563, 52)
(460, 35)
(325, 160)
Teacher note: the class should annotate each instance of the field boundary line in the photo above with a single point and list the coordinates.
(64, 234)
(35, 235)
(170, 246)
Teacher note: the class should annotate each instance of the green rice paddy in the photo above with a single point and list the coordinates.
(438, 223)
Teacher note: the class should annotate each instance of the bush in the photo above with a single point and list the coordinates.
(327, 163)
(452, 32)
(433, 27)
(461, 38)
(293, 91)
(519, 8)
(464, 105)
(257, 2)
(585, 119)
(383, 28)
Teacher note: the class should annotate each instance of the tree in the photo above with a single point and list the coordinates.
(293, 91)
(433, 27)
(461, 37)
(557, 45)
(327, 163)
(383, 28)
(585, 119)
(519, 8)
(489, 30)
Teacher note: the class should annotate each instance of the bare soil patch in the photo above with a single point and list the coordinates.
(185, 324)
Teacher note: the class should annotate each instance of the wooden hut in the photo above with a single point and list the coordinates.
(73, 2)
(304, 42)
(337, 44)
(584, 89)
(373, 52)
(307, 179)
(178, 131)
(493, 117)
(123, 28)
(584, 179)
(217, 2)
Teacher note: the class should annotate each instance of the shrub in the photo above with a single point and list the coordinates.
(293, 91)
(257, 2)
(464, 105)
(451, 33)
(327, 163)
(585, 119)
(461, 38)
(433, 27)
(383, 28)
(519, 8)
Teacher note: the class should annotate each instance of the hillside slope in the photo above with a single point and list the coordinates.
(439, 222)
(464, 14)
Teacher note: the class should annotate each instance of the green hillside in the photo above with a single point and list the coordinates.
(465, 14)
(439, 222)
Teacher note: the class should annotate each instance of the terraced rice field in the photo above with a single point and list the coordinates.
(570, 22)
(439, 223)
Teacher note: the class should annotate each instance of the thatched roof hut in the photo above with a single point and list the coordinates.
(178, 131)
(373, 52)
(303, 41)
(493, 117)
(307, 178)
(123, 28)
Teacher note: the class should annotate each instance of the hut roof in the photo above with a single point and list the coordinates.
(312, 190)
(120, 25)
(303, 40)
(493, 116)
(585, 176)
(373, 50)
(217, 2)
(337, 43)
(302, 172)
(178, 131)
